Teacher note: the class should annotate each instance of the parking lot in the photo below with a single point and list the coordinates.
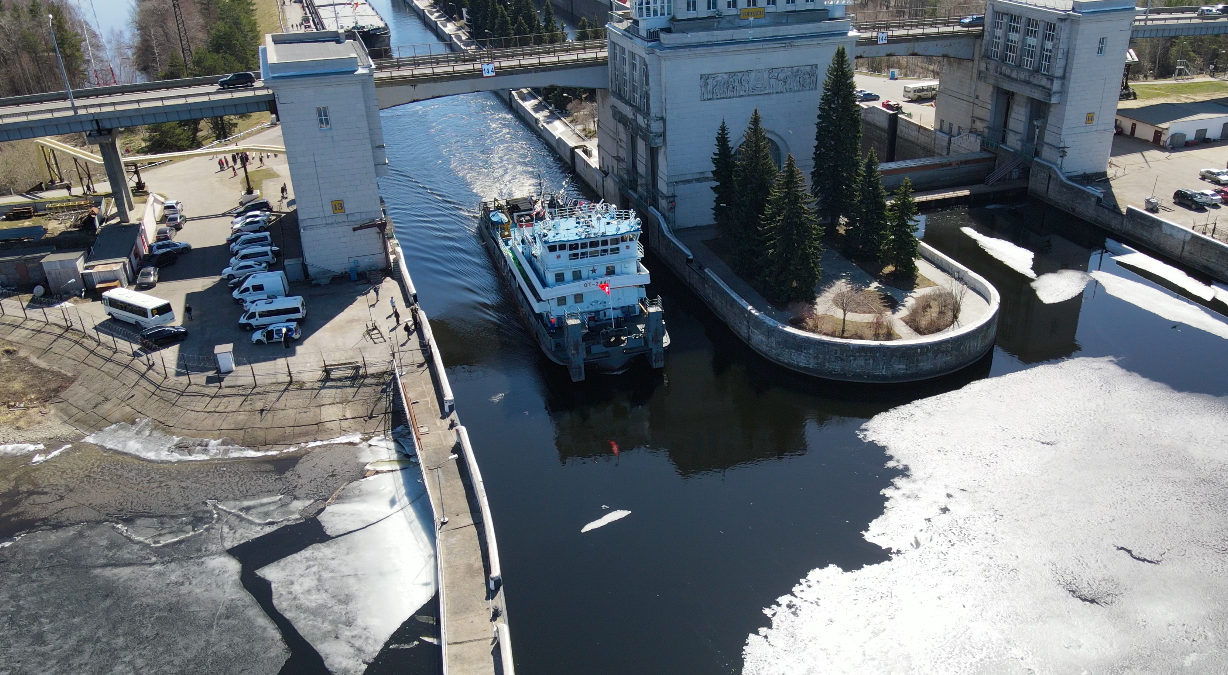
(1139, 169)
(339, 315)
(922, 112)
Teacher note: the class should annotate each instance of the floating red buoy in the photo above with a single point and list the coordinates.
(614, 448)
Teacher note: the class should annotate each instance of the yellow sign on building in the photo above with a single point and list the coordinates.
(338, 206)
(1091, 118)
(754, 12)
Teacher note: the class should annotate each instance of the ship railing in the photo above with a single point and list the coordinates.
(640, 247)
(590, 210)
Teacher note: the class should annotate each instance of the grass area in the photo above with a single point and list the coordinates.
(825, 324)
(1192, 91)
(267, 14)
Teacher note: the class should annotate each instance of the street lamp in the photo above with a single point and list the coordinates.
(64, 73)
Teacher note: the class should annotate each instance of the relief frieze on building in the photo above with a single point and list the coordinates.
(716, 86)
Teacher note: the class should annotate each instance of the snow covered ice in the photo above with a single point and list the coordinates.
(143, 440)
(347, 596)
(1060, 286)
(1014, 257)
(20, 448)
(1082, 532)
(605, 520)
(1160, 303)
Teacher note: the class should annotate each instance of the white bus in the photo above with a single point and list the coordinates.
(143, 310)
(920, 90)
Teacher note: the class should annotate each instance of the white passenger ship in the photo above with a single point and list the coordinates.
(575, 271)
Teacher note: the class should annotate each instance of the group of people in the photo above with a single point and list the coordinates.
(238, 159)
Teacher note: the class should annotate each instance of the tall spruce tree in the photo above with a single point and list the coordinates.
(582, 29)
(754, 176)
(503, 23)
(792, 257)
(868, 229)
(837, 142)
(550, 25)
(900, 248)
(725, 203)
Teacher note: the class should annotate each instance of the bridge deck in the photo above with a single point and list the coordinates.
(470, 64)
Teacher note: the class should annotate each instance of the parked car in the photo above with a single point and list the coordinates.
(254, 215)
(158, 336)
(148, 278)
(1209, 197)
(175, 220)
(165, 233)
(163, 259)
(237, 80)
(262, 286)
(172, 206)
(865, 95)
(892, 105)
(246, 239)
(276, 333)
(1222, 192)
(972, 20)
(1186, 198)
(255, 205)
(253, 225)
(171, 246)
(244, 268)
(266, 254)
(1208, 13)
(241, 279)
(1217, 176)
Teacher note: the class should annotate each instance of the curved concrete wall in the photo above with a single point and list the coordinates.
(836, 358)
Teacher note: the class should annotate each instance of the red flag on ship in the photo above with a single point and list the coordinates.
(605, 286)
(614, 448)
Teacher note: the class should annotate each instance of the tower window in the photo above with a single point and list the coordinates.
(322, 117)
(1100, 48)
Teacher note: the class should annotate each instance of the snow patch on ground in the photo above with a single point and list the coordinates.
(1014, 257)
(1060, 286)
(605, 520)
(40, 458)
(143, 440)
(347, 596)
(1160, 303)
(348, 439)
(1081, 532)
(20, 448)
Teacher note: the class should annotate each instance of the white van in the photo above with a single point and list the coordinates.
(264, 254)
(143, 310)
(277, 310)
(920, 91)
(251, 239)
(262, 286)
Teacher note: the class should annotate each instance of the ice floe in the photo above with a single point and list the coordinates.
(347, 596)
(20, 448)
(1080, 531)
(1014, 257)
(1160, 303)
(143, 440)
(40, 458)
(1165, 271)
(348, 439)
(1060, 286)
(264, 510)
(605, 520)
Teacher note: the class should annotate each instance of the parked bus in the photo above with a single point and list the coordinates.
(143, 310)
(920, 90)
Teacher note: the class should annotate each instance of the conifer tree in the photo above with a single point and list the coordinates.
(549, 25)
(724, 204)
(900, 247)
(792, 257)
(837, 146)
(869, 228)
(503, 23)
(754, 177)
(582, 29)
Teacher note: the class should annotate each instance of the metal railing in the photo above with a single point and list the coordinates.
(84, 106)
(890, 15)
(458, 63)
(869, 32)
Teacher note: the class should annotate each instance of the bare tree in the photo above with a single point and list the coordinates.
(851, 298)
(959, 291)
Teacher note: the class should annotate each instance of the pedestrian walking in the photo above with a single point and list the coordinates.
(262, 159)
(187, 311)
(219, 165)
(234, 159)
(233, 172)
(392, 301)
(284, 193)
(396, 317)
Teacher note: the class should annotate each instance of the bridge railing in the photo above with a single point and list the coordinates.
(888, 15)
(87, 106)
(904, 29)
(465, 62)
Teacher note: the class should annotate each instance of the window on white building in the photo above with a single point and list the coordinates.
(1011, 55)
(752, 3)
(790, 2)
(622, 71)
(995, 43)
(711, 5)
(647, 9)
(635, 82)
(1030, 33)
(1100, 48)
(1046, 48)
(771, 3)
(322, 117)
(731, 4)
(692, 5)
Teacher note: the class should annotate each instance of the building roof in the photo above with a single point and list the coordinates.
(114, 241)
(574, 224)
(30, 232)
(1163, 114)
(20, 253)
(63, 255)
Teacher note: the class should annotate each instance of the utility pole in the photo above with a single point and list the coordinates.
(64, 73)
(185, 46)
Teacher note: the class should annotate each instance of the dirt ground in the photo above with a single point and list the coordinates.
(25, 390)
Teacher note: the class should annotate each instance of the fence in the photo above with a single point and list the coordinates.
(120, 343)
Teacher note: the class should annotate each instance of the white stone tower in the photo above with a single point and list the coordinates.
(325, 89)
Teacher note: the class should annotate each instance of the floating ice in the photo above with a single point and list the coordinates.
(1060, 286)
(497, 397)
(348, 439)
(1014, 257)
(1163, 270)
(265, 510)
(1081, 532)
(20, 448)
(142, 440)
(347, 596)
(40, 458)
(605, 520)
(158, 531)
(1160, 303)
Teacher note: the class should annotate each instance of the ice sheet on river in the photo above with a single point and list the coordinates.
(347, 595)
(1160, 303)
(1060, 286)
(1068, 518)
(1014, 257)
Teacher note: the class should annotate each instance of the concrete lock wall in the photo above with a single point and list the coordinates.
(912, 140)
(828, 357)
(933, 173)
(1185, 246)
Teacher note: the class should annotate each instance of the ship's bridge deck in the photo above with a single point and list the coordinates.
(577, 223)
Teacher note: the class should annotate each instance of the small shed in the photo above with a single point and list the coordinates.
(117, 241)
(21, 267)
(64, 271)
(1175, 124)
(105, 274)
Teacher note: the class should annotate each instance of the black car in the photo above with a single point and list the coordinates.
(164, 259)
(237, 80)
(974, 20)
(255, 205)
(1186, 198)
(158, 336)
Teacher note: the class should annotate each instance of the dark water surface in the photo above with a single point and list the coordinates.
(740, 477)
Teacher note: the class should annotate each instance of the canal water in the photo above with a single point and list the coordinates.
(740, 477)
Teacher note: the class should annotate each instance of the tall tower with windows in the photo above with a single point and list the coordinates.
(678, 68)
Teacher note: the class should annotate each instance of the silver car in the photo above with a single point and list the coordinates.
(276, 333)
